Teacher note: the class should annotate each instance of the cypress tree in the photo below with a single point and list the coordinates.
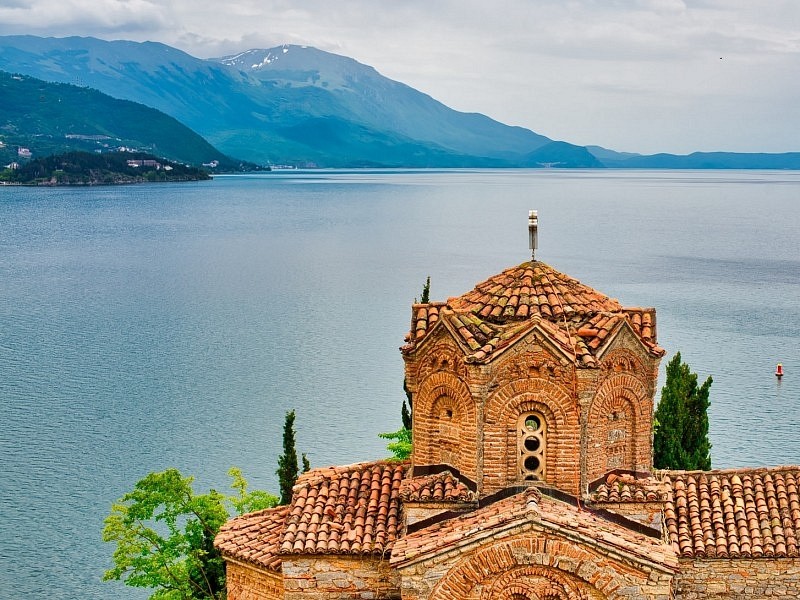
(695, 431)
(681, 421)
(287, 462)
(426, 291)
(405, 411)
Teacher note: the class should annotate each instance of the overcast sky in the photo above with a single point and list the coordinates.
(631, 75)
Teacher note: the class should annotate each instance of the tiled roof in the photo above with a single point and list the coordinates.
(745, 513)
(622, 488)
(500, 310)
(439, 487)
(345, 510)
(533, 288)
(530, 505)
(254, 537)
(353, 509)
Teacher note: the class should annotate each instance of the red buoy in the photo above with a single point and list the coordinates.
(779, 371)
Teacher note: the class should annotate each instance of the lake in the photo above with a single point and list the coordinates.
(153, 326)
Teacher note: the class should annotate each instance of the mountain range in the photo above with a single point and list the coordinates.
(302, 106)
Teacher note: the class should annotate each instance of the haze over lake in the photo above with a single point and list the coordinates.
(147, 327)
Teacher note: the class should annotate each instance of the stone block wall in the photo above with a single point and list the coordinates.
(738, 578)
(246, 582)
(321, 577)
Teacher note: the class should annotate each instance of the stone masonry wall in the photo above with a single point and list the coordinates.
(245, 582)
(738, 578)
(339, 578)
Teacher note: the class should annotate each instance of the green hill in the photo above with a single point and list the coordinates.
(52, 118)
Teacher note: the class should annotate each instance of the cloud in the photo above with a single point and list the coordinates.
(81, 17)
(572, 69)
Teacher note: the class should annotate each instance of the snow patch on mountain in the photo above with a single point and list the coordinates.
(255, 58)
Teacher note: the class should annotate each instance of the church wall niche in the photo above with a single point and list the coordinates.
(445, 424)
(621, 414)
(612, 439)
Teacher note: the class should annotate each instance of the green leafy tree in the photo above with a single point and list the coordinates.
(401, 446)
(680, 439)
(164, 534)
(306, 463)
(287, 462)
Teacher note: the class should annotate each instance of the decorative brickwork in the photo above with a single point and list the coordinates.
(560, 411)
(533, 565)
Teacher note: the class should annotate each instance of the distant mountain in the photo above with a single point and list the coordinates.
(562, 155)
(706, 160)
(248, 113)
(303, 106)
(51, 118)
(382, 103)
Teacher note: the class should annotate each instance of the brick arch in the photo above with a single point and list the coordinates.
(559, 561)
(445, 440)
(623, 359)
(534, 582)
(620, 426)
(561, 413)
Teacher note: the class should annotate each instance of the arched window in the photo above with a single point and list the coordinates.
(531, 447)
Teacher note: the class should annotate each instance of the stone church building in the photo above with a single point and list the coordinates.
(531, 476)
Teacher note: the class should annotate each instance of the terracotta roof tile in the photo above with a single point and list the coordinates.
(530, 505)
(439, 487)
(504, 307)
(539, 287)
(353, 509)
(254, 537)
(743, 513)
(622, 488)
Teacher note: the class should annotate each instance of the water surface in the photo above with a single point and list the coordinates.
(146, 327)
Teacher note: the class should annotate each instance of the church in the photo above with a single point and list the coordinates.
(531, 476)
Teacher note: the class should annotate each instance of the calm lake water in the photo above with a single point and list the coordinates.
(148, 327)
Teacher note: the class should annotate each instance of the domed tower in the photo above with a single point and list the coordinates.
(531, 377)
